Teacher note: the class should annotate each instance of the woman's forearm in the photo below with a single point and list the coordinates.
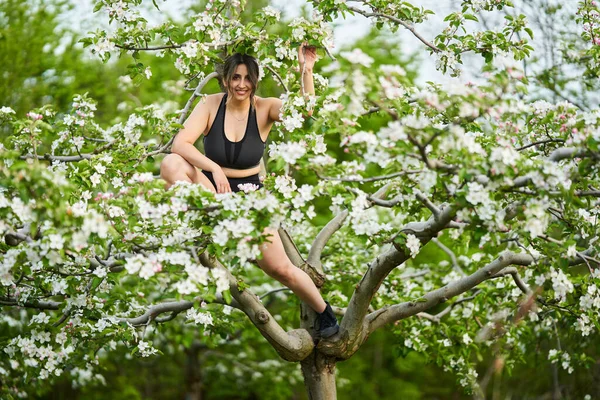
(307, 81)
(191, 154)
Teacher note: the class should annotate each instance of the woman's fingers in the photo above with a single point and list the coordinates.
(223, 188)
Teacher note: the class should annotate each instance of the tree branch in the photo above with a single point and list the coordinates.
(512, 271)
(294, 345)
(33, 303)
(451, 255)
(432, 207)
(174, 307)
(438, 317)
(155, 48)
(50, 157)
(540, 142)
(371, 179)
(276, 75)
(314, 256)
(184, 112)
(353, 324)
(398, 21)
(290, 248)
(271, 292)
(400, 311)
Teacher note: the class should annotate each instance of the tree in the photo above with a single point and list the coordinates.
(503, 186)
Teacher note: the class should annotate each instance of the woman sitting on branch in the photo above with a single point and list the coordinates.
(235, 126)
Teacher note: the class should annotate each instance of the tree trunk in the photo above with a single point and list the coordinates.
(319, 377)
(193, 373)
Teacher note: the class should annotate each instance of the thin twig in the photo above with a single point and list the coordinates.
(540, 142)
(451, 254)
(398, 21)
(371, 179)
(276, 75)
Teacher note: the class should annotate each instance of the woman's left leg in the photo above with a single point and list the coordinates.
(278, 266)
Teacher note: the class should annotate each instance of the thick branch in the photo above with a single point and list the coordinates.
(400, 311)
(51, 157)
(155, 48)
(174, 307)
(42, 305)
(21, 235)
(378, 270)
(294, 345)
(570, 152)
(314, 256)
(290, 248)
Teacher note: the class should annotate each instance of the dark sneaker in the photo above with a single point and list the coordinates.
(326, 324)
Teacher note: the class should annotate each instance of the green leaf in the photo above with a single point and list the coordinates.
(227, 296)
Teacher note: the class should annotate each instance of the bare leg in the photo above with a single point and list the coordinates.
(278, 266)
(175, 168)
(274, 262)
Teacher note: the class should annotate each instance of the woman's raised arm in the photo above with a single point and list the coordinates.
(307, 56)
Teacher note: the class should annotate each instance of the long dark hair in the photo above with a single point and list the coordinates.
(227, 70)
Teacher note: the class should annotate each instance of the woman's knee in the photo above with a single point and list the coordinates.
(281, 272)
(171, 166)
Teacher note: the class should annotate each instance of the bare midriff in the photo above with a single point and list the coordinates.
(240, 173)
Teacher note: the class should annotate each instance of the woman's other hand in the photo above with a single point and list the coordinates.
(307, 56)
(221, 181)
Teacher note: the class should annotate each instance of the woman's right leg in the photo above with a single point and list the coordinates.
(175, 168)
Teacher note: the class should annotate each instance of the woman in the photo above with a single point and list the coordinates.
(235, 126)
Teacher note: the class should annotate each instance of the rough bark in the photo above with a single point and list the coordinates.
(294, 345)
(319, 376)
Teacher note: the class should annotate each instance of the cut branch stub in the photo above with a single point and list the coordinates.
(262, 317)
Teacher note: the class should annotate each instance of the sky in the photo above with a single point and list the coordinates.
(346, 31)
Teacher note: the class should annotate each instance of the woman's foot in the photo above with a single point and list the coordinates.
(326, 323)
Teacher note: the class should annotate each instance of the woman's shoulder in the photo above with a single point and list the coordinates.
(266, 102)
(211, 101)
(215, 97)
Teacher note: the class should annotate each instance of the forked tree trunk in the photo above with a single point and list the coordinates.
(319, 377)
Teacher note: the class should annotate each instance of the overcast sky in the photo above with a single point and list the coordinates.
(346, 31)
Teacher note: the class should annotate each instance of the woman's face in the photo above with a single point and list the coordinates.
(240, 86)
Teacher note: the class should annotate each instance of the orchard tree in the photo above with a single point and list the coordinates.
(97, 254)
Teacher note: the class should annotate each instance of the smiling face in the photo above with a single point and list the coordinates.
(239, 77)
(240, 86)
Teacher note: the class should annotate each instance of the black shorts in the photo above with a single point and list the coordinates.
(234, 182)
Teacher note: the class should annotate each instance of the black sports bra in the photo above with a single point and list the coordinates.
(237, 155)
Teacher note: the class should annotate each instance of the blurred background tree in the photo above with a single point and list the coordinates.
(42, 63)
